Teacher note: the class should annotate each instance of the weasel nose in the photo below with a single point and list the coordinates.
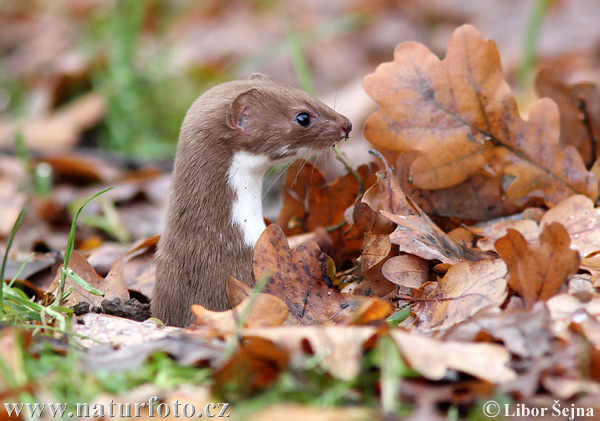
(347, 127)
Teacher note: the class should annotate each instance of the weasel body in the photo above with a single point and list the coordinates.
(230, 136)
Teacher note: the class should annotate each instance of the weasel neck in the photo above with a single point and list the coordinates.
(245, 177)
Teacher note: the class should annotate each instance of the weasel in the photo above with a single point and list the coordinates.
(229, 137)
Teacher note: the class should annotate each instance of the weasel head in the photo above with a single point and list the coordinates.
(273, 119)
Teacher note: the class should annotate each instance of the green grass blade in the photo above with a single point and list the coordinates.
(70, 245)
(81, 282)
(11, 237)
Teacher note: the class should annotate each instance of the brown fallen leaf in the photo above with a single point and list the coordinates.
(525, 332)
(254, 367)
(592, 265)
(372, 311)
(461, 115)
(479, 198)
(371, 284)
(81, 169)
(581, 220)
(112, 286)
(418, 235)
(298, 277)
(579, 106)
(576, 213)
(341, 347)
(493, 232)
(375, 249)
(538, 271)
(406, 270)
(433, 358)
(310, 203)
(415, 232)
(467, 288)
(266, 311)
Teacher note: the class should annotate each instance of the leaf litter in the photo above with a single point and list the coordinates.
(509, 306)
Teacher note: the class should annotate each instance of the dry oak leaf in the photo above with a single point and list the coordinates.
(538, 271)
(255, 366)
(298, 277)
(265, 311)
(581, 220)
(376, 248)
(479, 198)
(563, 307)
(576, 213)
(461, 114)
(579, 106)
(415, 232)
(113, 286)
(418, 235)
(340, 346)
(525, 332)
(406, 270)
(373, 284)
(592, 265)
(433, 358)
(309, 203)
(467, 288)
(493, 232)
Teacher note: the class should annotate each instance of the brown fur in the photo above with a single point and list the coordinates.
(200, 244)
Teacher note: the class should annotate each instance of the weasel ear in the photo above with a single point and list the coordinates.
(258, 76)
(241, 109)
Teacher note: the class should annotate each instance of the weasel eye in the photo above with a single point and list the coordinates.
(303, 119)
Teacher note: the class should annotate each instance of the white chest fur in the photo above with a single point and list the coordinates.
(245, 176)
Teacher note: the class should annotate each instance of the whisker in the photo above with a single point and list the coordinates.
(283, 171)
(304, 161)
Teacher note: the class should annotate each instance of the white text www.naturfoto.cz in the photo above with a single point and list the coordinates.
(112, 409)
